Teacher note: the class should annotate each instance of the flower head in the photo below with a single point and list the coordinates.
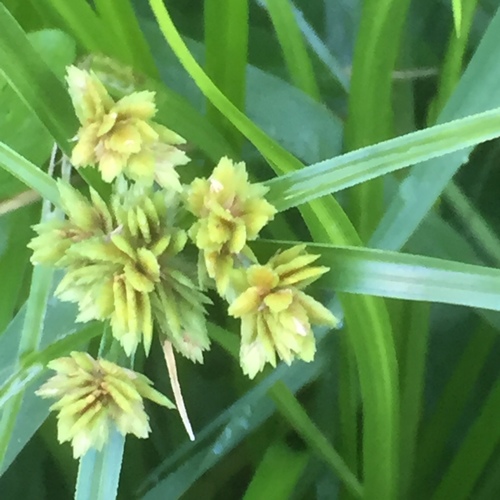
(230, 212)
(123, 264)
(96, 395)
(276, 315)
(120, 136)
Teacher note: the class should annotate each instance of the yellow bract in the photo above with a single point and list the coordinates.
(120, 137)
(230, 212)
(96, 395)
(276, 316)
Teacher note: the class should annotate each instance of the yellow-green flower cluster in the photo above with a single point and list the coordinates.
(120, 137)
(122, 263)
(125, 259)
(230, 211)
(276, 315)
(95, 396)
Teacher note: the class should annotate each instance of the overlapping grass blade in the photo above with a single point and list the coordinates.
(476, 92)
(297, 59)
(367, 163)
(226, 47)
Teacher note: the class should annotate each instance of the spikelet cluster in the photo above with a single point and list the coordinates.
(276, 315)
(122, 264)
(120, 137)
(126, 259)
(95, 396)
(230, 211)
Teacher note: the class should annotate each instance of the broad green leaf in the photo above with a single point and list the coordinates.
(367, 163)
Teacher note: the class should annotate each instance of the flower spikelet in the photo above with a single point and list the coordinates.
(276, 315)
(230, 211)
(124, 266)
(120, 137)
(95, 396)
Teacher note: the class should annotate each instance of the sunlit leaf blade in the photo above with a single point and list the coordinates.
(367, 163)
(404, 276)
(268, 148)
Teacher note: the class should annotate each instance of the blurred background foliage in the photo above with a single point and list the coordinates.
(320, 78)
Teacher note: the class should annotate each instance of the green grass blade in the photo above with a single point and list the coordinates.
(118, 18)
(403, 276)
(79, 19)
(293, 411)
(457, 16)
(297, 59)
(459, 387)
(477, 91)
(226, 47)
(16, 230)
(30, 339)
(278, 473)
(457, 45)
(475, 451)
(479, 229)
(370, 115)
(415, 328)
(34, 82)
(99, 471)
(269, 149)
(367, 163)
(29, 174)
(374, 347)
(321, 50)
